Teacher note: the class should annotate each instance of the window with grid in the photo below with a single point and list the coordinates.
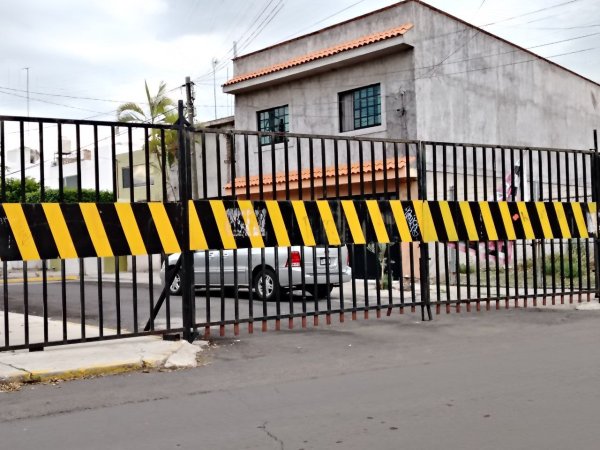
(274, 119)
(360, 108)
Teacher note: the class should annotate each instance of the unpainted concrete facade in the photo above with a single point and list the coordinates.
(444, 80)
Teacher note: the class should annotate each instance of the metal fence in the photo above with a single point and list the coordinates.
(53, 302)
(511, 273)
(59, 301)
(271, 166)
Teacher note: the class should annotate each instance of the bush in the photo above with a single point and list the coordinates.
(70, 196)
(463, 268)
(14, 191)
(570, 270)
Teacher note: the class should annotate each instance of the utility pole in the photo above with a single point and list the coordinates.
(27, 69)
(214, 64)
(189, 94)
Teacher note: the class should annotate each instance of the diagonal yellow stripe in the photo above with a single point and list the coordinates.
(448, 221)
(95, 228)
(333, 238)
(377, 221)
(167, 236)
(279, 227)
(20, 228)
(197, 238)
(303, 223)
(353, 222)
(423, 213)
(562, 220)
(467, 215)
(252, 227)
(131, 229)
(223, 224)
(592, 207)
(60, 232)
(400, 219)
(525, 220)
(507, 220)
(488, 222)
(579, 219)
(546, 228)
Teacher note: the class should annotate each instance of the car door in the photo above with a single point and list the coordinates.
(200, 268)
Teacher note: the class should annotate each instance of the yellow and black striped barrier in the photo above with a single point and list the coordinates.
(77, 230)
(241, 224)
(52, 230)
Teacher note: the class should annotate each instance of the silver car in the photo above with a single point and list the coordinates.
(267, 280)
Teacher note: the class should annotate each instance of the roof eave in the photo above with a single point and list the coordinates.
(345, 58)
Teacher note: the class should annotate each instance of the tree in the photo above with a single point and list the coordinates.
(159, 109)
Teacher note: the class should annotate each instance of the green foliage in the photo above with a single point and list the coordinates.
(159, 109)
(462, 268)
(70, 196)
(14, 191)
(571, 268)
(33, 193)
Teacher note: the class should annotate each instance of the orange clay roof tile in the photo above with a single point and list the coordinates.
(330, 172)
(320, 54)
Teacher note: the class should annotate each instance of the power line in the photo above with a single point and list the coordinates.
(225, 57)
(528, 13)
(48, 102)
(337, 13)
(266, 21)
(478, 30)
(66, 96)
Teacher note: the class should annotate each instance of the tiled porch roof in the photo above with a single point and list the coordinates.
(330, 172)
(324, 53)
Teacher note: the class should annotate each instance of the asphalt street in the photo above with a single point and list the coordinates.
(126, 303)
(517, 379)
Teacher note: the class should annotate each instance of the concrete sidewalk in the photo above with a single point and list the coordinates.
(92, 358)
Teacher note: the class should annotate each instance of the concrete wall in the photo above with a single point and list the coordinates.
(488, 91)
(313, 101)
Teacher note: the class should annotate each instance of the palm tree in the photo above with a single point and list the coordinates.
(159, 109)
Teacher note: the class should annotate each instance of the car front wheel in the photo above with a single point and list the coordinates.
(265, 285)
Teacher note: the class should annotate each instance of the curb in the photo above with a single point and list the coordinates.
(64, 363)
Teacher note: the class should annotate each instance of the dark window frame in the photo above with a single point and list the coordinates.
(139, 180)
(365, 108)
(70, 181)
(273, 120)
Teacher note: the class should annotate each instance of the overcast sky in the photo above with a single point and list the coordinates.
(87, 57)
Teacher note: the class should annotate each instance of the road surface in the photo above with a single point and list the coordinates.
(518, 379)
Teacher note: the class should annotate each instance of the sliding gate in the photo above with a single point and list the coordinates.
(112, 230)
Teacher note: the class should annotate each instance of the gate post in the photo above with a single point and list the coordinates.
(185, 195)
(596, 198)
(423, 247)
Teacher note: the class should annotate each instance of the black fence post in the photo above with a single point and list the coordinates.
(423, 247)
(596, 198)
(185, 195)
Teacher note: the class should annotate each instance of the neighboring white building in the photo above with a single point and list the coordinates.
(69, 167)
